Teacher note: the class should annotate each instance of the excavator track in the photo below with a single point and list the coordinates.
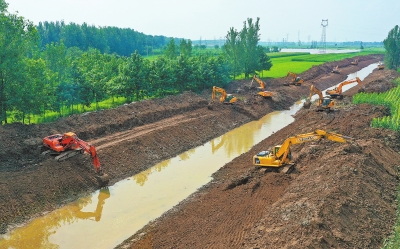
(287, 169)
(68, 154)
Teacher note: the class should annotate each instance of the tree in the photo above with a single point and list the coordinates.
(17, 37)
(132, 75)
(392, 46)
(233, 51)
(171, 50)
(185, 48)
(249, 38)
(243, 51)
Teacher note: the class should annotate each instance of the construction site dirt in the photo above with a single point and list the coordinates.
(339, 195)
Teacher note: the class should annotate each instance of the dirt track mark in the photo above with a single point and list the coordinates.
(142, 130)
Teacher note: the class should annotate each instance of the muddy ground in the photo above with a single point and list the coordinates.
(340, 195)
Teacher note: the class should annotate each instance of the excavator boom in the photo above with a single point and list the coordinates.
(263, 92)
(337, 91)
(324, 103)
(297, 81)
(281, 154)
(225, 98)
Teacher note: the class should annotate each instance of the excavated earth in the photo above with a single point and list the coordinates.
(339, 196)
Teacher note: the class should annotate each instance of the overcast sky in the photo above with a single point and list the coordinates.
(292, 20)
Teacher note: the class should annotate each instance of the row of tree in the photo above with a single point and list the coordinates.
(106, 39)
(37, 77)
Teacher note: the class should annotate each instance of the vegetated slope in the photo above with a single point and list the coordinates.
(340, 195)
(130, 139)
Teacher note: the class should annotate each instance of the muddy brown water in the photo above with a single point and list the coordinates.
(109, 216)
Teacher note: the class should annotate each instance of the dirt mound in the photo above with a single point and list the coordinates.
(243, 206)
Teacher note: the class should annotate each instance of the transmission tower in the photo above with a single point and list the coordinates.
(324, 23)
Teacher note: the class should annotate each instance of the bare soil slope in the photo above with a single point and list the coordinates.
(243, 206)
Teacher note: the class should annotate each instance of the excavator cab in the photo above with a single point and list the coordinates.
(326, 104)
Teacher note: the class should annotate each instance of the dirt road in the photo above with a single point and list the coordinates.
(340, 195)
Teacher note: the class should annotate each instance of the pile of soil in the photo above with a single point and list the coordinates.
(339, 195)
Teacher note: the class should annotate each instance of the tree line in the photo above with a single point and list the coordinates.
(43, 70)
(122, 41)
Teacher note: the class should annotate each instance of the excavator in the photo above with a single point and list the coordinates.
(337, 91)
(297, 81)
(355, 62)
(262, 93)
(225, 98)
(323, 104)
(336, 70)
(381, 66)
(69, 145)
(280, 157)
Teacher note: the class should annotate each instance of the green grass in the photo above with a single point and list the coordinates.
(393, 242)
(52, 115)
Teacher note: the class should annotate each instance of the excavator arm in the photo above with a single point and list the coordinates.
(263, 92)
(337, 91)
(281, 154)
(69, 145)
(308, 137)
(260, 82)
(297, 81)
(225, 98)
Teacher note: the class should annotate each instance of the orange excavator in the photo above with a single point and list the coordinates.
(69, 145)
(336, 70)
(337, 91)
(263, 92)
(225, 98)
(323, 104)
(297, 81)
(381, 66)
(355, 62)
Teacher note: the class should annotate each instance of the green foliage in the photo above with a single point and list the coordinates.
(17, 38)
(392, 46)
(122, 41)
(388, 99)
(243, 52)
(393, 242)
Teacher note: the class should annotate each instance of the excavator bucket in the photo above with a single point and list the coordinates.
(307, 104)
(103, 180)
(287, 169)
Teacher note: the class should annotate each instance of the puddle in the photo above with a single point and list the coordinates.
(108, 217)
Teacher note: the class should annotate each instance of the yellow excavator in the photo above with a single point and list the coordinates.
(225, 98)
(355, 62)
(381, 66)
(280, 157)
(263, 92)
(295, 80)
(337, 91)
(323, 104)
(336, 70)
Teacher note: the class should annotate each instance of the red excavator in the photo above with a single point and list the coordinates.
(69, 145)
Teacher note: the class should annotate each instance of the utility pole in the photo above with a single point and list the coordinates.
(324, 24)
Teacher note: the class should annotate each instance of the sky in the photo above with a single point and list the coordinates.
(289, 20)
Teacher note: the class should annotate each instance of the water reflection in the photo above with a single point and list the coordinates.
(37, 233)
(96, 215)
